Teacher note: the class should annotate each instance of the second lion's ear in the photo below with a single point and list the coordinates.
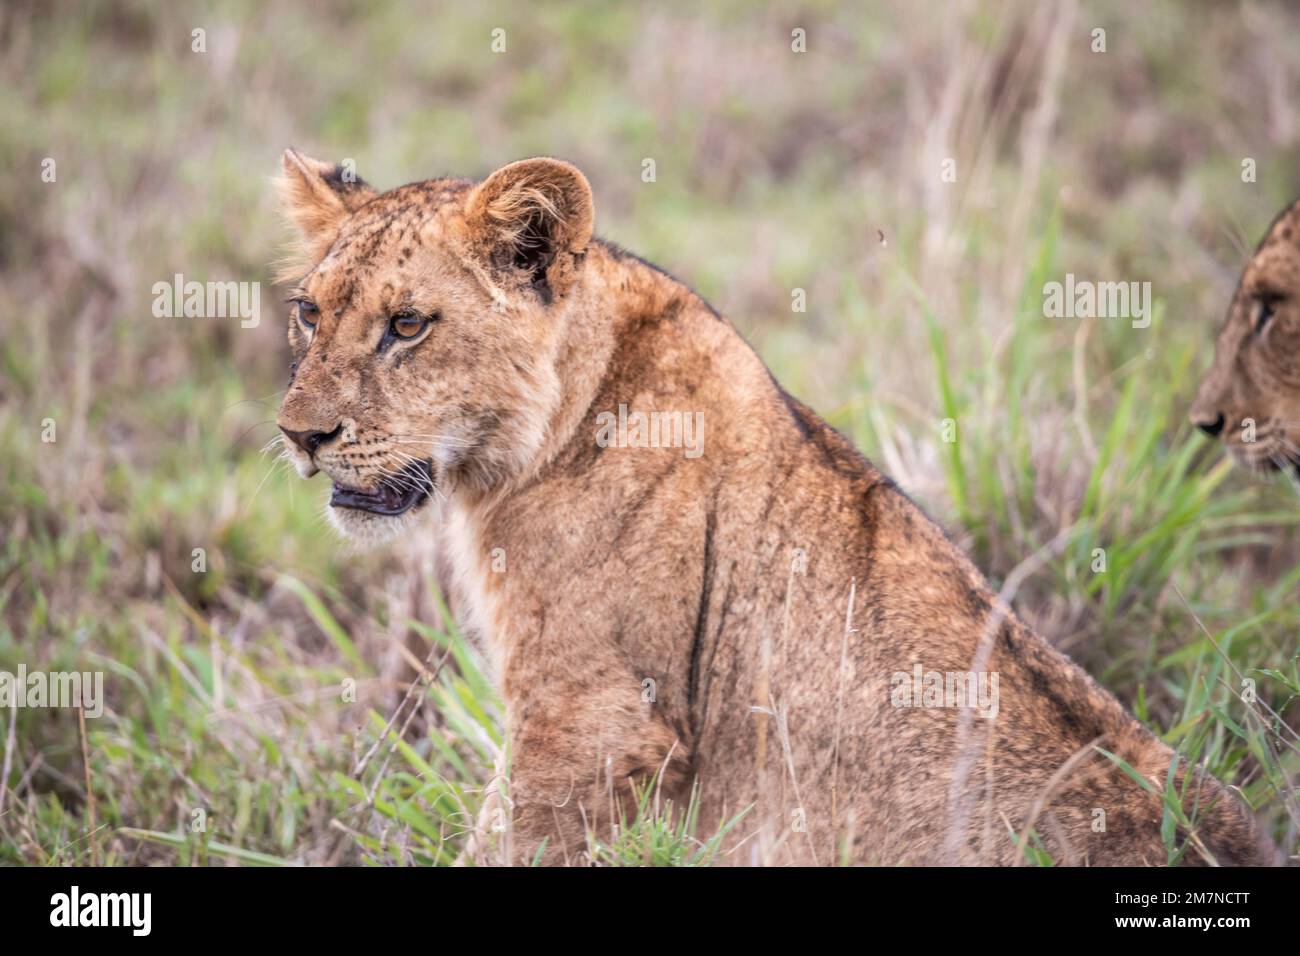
(535, 216)
(317, 197)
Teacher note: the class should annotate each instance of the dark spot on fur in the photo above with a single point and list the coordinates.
(1279, 218)
(977, 606)
(1046, 689)
(542, 286)
(800, 420)
(336, 180)
(702, 612)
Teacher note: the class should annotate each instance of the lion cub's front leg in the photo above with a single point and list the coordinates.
(582, 740)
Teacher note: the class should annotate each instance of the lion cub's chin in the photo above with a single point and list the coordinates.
(367, 530)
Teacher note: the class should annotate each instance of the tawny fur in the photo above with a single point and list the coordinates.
(732, 619)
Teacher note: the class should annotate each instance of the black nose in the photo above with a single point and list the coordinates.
(1211, 428)
(310, 441)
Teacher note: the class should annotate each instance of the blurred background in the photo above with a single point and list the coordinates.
(226, 738)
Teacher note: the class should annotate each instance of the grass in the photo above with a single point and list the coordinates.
(256, 707)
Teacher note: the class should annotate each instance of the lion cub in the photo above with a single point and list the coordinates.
(1250, 398)
(681, 575)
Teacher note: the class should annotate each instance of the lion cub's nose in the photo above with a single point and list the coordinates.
(1205, 424)
(310, 441)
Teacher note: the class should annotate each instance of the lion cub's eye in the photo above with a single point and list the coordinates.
(408, 324)
(307, 313)
(1263, 312)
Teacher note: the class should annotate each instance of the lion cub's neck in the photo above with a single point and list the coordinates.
(635, 340)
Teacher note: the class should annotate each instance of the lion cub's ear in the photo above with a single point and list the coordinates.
(317, 196)
(535, 215)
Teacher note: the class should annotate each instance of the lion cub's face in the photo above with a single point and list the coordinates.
(422, 326)
(1251, 396)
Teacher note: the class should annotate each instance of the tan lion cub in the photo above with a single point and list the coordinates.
(678, 570)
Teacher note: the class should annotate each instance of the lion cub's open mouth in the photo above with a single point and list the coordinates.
(395, 495)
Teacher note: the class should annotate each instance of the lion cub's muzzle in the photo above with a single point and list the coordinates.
(395, 494)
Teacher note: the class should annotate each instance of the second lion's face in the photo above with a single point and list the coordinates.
(1250, 398)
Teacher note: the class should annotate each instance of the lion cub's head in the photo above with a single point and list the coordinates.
(1251, 396)
(423, 328)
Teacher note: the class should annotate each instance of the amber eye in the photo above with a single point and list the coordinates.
(307, 313)
(407, 325)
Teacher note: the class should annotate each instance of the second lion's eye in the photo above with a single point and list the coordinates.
(407, 325)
